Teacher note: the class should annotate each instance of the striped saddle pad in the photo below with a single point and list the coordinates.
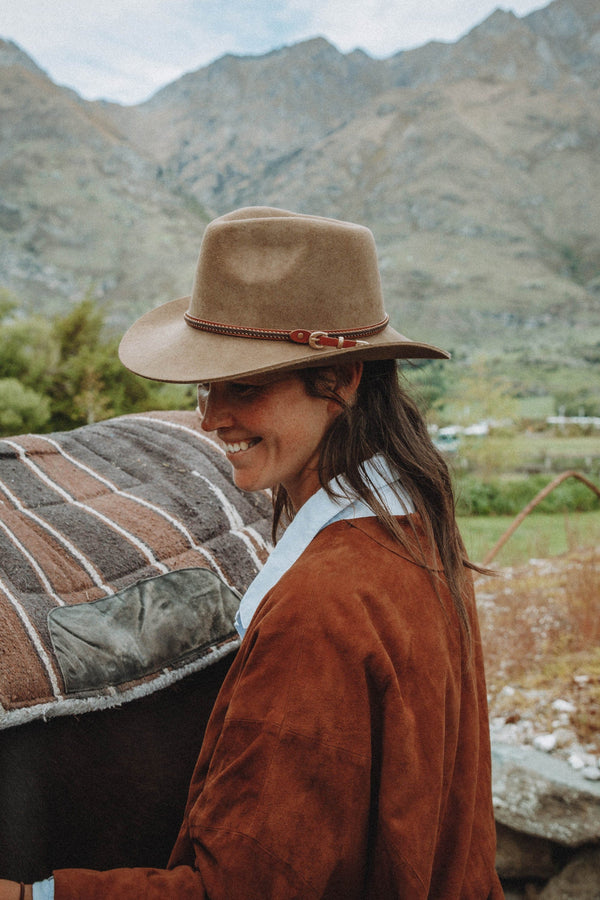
(124, 547)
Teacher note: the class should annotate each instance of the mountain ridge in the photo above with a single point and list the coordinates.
(476, 163)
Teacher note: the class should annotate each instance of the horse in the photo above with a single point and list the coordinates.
(124, 550)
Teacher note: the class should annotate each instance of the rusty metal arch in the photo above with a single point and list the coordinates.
(531, 506)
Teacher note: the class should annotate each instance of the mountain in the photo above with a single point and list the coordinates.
(476, 164)
(80, 209)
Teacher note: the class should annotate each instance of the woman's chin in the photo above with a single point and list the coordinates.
(246, 481)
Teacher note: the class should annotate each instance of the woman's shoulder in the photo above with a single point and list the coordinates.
(365, 544)
(353, 571)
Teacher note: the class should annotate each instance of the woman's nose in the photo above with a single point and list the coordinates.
(213, 411)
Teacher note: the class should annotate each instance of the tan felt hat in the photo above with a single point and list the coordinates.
(273, 290)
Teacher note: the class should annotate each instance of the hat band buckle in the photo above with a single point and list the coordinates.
(322, 340)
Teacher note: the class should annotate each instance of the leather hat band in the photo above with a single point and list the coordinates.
(344, 339)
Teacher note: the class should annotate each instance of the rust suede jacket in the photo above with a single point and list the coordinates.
(348, 752)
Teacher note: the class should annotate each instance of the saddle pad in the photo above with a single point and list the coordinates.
(145, 627)
(88, 513)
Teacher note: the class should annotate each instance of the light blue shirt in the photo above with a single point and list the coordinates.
(319, 511)
(44, 890)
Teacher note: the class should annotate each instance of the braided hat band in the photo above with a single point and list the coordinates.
(344, 339)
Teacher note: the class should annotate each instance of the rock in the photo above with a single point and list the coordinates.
(521, 856)
(576, 761)
(579, 880)
(539, 795)
(564, 706)
(545, 742)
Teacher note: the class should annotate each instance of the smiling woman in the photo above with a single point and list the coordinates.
(347, 755)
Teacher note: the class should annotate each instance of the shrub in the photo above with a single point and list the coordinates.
(21, 408)
(507, 497)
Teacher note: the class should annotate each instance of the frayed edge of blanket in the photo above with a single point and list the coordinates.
(113, 697)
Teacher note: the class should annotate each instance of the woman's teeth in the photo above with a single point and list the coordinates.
(241, 445)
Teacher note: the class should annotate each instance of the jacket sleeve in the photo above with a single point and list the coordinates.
(182, 883)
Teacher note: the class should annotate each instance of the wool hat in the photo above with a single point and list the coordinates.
(273, 290)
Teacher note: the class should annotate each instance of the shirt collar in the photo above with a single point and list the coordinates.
(319, 511)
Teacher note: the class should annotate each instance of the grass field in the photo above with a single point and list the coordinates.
(538, 537)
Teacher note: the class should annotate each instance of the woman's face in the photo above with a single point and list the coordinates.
(270, 429)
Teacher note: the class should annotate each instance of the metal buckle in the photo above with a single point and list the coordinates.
(314, 340)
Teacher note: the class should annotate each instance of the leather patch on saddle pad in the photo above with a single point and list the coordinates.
(143, 628)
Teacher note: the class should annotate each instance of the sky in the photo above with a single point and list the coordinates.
(125, 50)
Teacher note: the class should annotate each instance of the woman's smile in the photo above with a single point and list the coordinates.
(241, 446)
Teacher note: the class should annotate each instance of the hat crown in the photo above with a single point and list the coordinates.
(261, 267)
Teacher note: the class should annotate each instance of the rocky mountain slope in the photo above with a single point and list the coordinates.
(477, 164)
(80, 209)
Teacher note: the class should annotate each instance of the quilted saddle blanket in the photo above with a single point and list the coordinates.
(124, 549)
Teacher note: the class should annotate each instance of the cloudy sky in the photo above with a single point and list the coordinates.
(124, 50)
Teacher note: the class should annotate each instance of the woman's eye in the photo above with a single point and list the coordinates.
(243, 391)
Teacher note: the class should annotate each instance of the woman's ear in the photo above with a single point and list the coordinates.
(346, 381)
(340, 383)
(348, 385)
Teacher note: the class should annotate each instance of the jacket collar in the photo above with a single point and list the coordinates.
(319, 511)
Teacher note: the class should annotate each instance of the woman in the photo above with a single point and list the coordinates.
(348, 752)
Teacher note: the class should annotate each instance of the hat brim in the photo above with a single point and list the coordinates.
(161, 346)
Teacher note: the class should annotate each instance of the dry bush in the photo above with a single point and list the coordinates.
(583, 603)
(540, 629)
(532, 614)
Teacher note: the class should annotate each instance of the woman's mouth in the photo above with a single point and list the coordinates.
(238, 446)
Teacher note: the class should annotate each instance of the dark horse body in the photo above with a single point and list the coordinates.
(105, 789)
(98, 778)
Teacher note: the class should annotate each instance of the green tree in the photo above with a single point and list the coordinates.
(428, 385)
(84, 386)
(28, 352)
(8, 303)
(481, 395)
(21, 408)
(60, 374)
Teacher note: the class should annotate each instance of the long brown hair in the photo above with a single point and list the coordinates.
(385, 419)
